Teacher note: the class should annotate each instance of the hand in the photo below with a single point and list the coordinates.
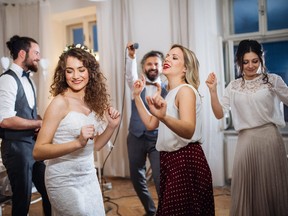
(211, 81)
(131, 50)
(38, 123)
(113, 117)
(138, 86)
(157, 104)
(87, 132)
(36, 131)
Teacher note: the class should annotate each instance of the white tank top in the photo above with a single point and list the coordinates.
(167, 139)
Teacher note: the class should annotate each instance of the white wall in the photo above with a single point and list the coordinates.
(59, 6)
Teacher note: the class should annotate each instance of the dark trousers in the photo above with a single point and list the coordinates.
(22, 170)
(138, 150)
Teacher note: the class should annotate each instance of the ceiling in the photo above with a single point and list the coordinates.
(32, 1)
(18, 1)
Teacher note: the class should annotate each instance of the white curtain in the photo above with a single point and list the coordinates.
(197, 29)
(2, 27)
(113, 18)
(46, 46)
(23, 19)
(204, 40)
(180, 23)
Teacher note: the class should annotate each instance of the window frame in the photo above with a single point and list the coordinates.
(262, 34)
(231, 40)
(84, 22)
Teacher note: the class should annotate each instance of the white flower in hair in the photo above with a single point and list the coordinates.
(79, 46)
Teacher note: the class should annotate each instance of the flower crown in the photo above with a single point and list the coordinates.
(80, 46)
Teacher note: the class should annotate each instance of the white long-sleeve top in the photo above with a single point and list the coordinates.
(254, 103)
(132, 75)
(167, 139)
(8, 92)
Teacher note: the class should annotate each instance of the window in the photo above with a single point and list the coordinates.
(277, 16)
(245, 16)
(83, 32)
(256, 17)
(262, 20)
(93, 28)
(76, 34)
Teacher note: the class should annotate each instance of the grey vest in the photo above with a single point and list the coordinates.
(23, 110)
(136, 126)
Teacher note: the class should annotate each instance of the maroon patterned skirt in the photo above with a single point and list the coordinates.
(185, 183)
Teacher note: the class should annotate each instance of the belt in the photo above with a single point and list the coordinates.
(194, 143)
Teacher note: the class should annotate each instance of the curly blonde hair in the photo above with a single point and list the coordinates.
(96, 95)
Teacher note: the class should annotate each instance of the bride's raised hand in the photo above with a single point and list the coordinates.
(113, 117)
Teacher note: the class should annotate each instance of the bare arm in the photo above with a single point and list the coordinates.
(113, 118)
(211, 82)
(18, 123)
(186, 103)
(44, 148)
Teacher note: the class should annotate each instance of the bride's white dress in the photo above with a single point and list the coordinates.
(71, 180)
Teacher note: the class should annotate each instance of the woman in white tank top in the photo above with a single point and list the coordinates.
(185, 176)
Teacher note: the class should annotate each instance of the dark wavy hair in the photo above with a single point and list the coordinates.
(246, 46)
(96, 94)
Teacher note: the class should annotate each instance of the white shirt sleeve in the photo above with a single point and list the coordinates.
(281, 90)
(131, 71)
(225, 100)
(8, 91)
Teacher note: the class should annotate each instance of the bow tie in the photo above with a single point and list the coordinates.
(27, 74)
(150, 83)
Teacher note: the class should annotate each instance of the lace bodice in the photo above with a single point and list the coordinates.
(251, 86)
(254, 103)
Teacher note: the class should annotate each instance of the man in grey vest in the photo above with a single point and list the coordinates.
(19, 124)
(140, 141)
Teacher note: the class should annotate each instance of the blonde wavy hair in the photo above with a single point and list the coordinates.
(192, 65)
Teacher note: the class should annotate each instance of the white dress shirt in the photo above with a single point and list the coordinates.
(132, 75)
(8, 92)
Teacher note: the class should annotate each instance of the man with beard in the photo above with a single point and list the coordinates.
(19, 124)
(140, 141)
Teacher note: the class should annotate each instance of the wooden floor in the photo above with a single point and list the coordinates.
(121, 200)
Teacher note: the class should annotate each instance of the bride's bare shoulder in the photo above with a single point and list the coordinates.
(59, 104)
